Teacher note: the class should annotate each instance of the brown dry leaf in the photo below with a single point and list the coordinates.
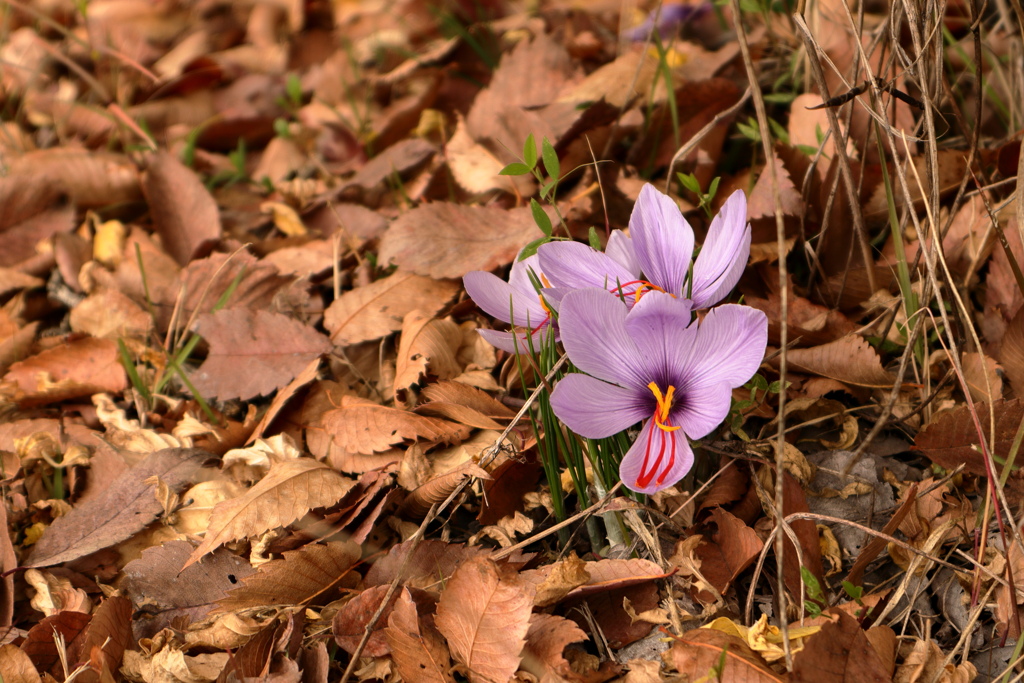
(445, 240)
(351, 620)
(484, 614)
(545, 643)
(8, 560)
(184, 213)
(72, 370)
(202, 283)
(464, 404)
(418, 650)
(1011, 352)
(476, 170)
(565, 576)
(281, 398)
(531, 75)
(429, 568)
(952, 164)
(108, 313)
(976, 366)
(41, 646)
(105, 640)
(34, 209)
(427, 345)
(924, 663)
(949, 439)
(362, 426)
(159, 587)
(728, 551)
(300, 576)
(17, 666)
(839, 652)
(126, 507)
(698, 652)
(437, 489)
(809, 323)
(92, 179)
(850, 360)
(761, 202)
(605, 575)
(253, 353)
(378, 309)
(288, 491)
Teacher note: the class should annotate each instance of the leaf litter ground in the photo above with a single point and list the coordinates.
(249, 427)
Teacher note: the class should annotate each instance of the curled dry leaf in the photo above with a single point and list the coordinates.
(184, 212)
(605, 575)
(362, 426)
(418, 650)
(253, 353)
(126, 507)
(849, 360)
(728, 551)
(288, 491)
(444, 240)
(464, 404)
(484, 613)
(427, 345)
(378, 309)
(545, 643)
(299, 577)
(77, 368)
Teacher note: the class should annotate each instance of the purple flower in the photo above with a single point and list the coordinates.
(668, 22)
(657, 254)
(653, 363)
(515, 302)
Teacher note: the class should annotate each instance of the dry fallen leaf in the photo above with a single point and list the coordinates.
(253, 353)
(484, 614)
(444, 240)
(288, 491)
(362, 426)
(184, 213)
(125, 508)
(419, 651)
(378, 309)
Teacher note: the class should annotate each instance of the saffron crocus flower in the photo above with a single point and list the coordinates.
(657, 254)
(653, 363)
(515, 302)
(671, 17)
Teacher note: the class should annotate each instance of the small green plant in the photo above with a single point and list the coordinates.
(548, 189)
(815, 597)
(690, 182)
(759, 388)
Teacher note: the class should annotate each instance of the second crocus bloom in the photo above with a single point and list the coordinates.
(658, 253)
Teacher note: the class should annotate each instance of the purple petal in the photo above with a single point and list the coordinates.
(729, 346)
(700, 407)
(594, 333)
(576, 266)
(519, 277)
(657, 460)
(596, 409)
(502, 301)
(724, 255)
(662, 238)
(620, 248)
(515, 342)
(660, 326)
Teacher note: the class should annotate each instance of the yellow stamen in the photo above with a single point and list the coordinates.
(664, 405)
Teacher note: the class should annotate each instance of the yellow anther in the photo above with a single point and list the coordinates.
(664, 406)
